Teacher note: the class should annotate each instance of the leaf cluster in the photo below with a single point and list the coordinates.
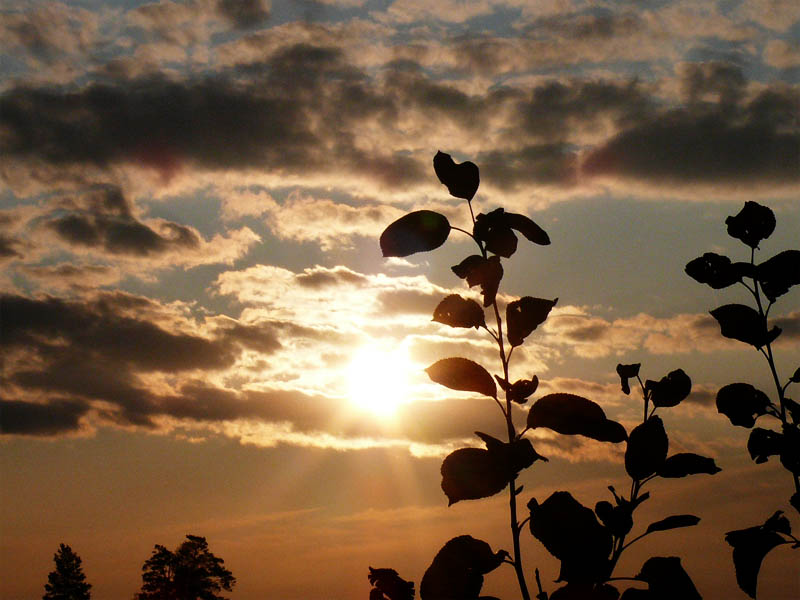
(587, 542)
(742, 403)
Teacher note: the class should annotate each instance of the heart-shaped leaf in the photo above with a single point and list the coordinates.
(742, 403)
(714, 270)
(462, 180)
(750, 546)
(418, 231)
(570, 414)
(752, 224)
(472, 473)
(666, 578)
(687, 463)
(625, 372)
(778, 274)
(456, 311)
(670, 390)
(491, 229)
(462, 374)
(478, 270)
(523, 316)
(647, 448)
(764, 443)
(571, 533)
(740, 322)
(528, 228)
(673, 522)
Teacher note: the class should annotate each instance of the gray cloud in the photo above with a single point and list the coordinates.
(30, 418)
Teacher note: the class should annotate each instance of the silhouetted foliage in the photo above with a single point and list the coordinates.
(191, 572)
(68, 581)
(742, 403)
(388, 585)
(587, 542)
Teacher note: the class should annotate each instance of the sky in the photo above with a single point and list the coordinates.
(199, 334)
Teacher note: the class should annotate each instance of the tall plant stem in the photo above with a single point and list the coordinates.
(771, 361)
(512, 490)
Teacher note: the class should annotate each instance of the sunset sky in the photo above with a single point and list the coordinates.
(198, 331)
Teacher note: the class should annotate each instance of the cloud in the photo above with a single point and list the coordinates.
(591, 336)
(30, 418)
(728, 141)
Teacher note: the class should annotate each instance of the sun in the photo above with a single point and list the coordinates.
(378, 379)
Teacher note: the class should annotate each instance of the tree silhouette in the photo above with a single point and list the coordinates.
(68, 581)
(191, 572)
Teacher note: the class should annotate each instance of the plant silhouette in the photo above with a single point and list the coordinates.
(742, 403)
(587, 543)
(191, 572)
(67, 581)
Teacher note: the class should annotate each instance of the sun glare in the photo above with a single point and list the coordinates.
(378, 379)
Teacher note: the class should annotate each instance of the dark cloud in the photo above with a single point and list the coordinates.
(296, 112)
(103, 220)
(715, 138)
(597, 26)
(553, 164)
(244, 13)
(8, 248)
(29, 418)
(557, 111)
(52, 326)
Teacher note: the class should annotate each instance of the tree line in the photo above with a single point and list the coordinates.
(190, 572)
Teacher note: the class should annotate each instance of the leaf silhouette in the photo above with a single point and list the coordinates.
(388, 585)
(470, 474)
(570, 414)
(462, 374)
(687, 463)
(750, 546)
(666, 579)
(740, 322)
(778, 274)
(752, 224)
(522, 389)
(670, 390)
(742, 403)
(673, 522)
(618, 519)
(494, 232)
(462, 180)
(523, 316)
(715, 270)
(528, 228)
(418, 231)
(473, 473)
(764, 443)
(457, 570)
(572, 533)
(459, 312)
(478, 270)
(647, 448)
(625, 372)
